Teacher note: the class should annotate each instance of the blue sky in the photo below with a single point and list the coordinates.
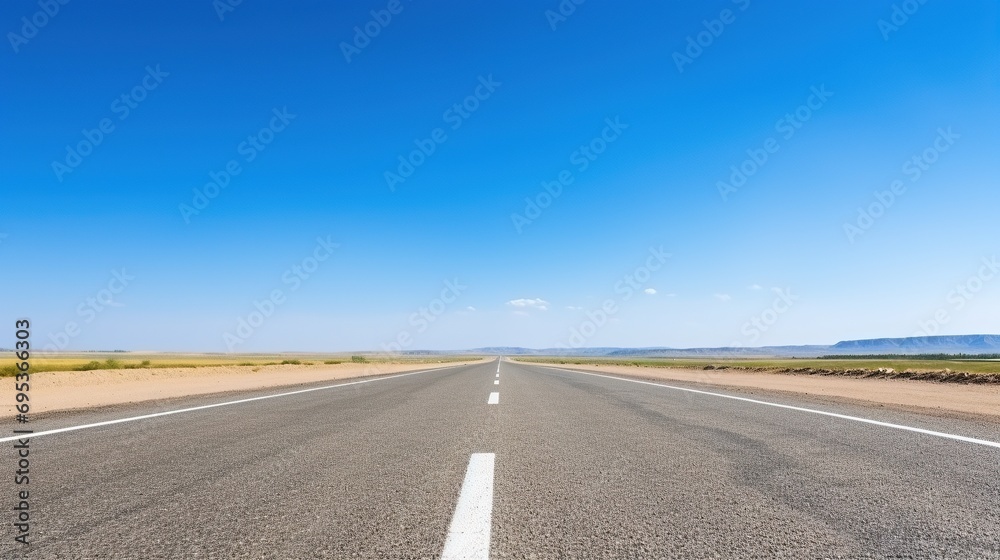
(693, 91)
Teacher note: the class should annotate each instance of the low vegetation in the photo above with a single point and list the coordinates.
(829, 364)
(957, 357)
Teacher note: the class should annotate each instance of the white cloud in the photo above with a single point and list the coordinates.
(574, 308)
(528, 303)
(723, 297)
(650, 291)
(470, 308)
(755, 287)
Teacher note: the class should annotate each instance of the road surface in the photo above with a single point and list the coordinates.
(539, 462)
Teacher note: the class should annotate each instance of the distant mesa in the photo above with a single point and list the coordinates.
(968, 344)
(956, 344)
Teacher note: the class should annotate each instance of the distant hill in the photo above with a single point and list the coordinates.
(957, 344)
(960, 344)
(614, 352)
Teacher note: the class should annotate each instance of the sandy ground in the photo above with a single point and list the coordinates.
(54, 391)
(930, 396)
(51, 391)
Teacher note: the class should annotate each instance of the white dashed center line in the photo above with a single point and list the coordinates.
(494, 398)
(469, 533)
(496, 381)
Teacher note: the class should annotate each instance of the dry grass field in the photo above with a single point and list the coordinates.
(88, 361)
(795, 365)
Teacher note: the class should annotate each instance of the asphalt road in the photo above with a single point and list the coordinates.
(564, 465)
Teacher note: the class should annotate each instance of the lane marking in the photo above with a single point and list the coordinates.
(496, 381)
(498, 376)
(494, 398)
(207, 406)
(469, 533)
(798, 408)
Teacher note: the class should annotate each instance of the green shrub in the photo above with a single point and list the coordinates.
(358, 359)
(290, 362)
(332, 362)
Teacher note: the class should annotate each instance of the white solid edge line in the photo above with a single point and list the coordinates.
(798, 408)
(469, 533)
(494, 398)
(203, 407)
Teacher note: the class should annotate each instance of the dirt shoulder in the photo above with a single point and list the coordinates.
(929, 396)
(69, 390)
